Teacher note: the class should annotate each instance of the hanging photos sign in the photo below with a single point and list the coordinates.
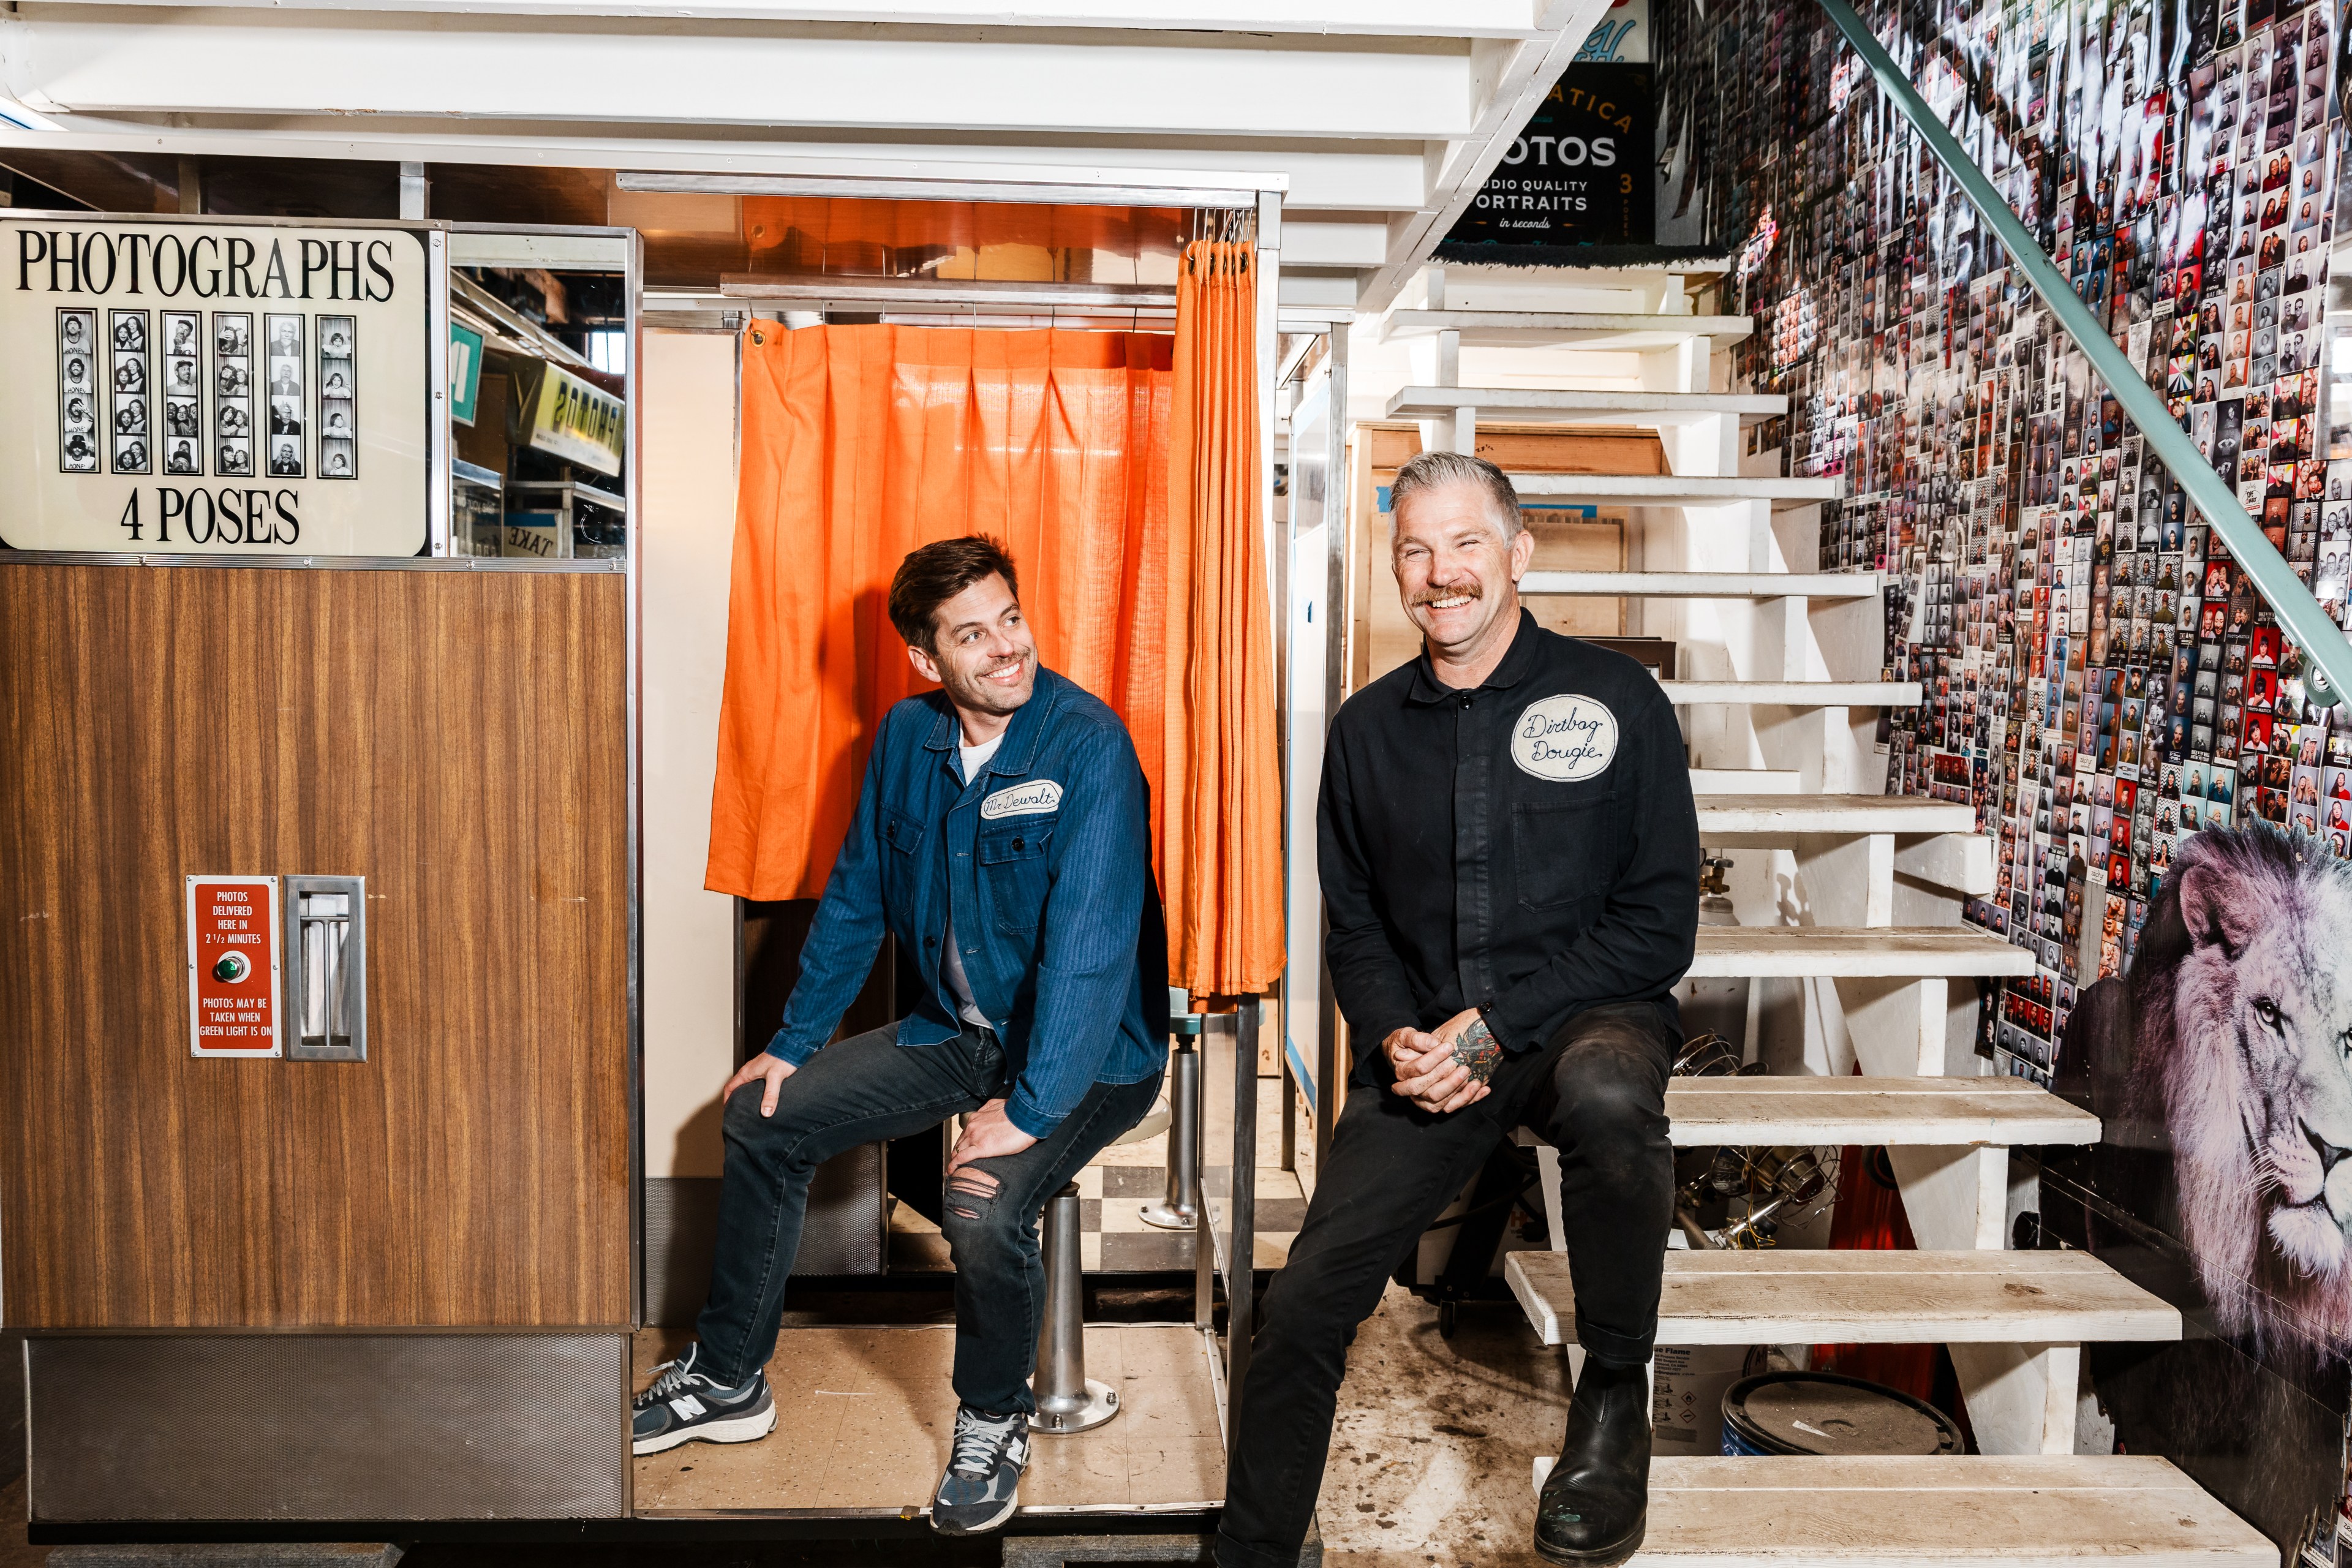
(465, 372)
(197, 387)
(1579, 172)
(568, 418)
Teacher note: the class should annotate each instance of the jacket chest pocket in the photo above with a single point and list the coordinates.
(902, 843)
(1015, 873)
(1564, 852)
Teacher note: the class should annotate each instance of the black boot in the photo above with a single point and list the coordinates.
(1596, 1501)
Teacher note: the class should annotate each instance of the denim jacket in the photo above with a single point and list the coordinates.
(1045, 861)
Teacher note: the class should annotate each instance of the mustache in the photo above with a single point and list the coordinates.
(1436, 591)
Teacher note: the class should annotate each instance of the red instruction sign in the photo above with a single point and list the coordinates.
(232, 966)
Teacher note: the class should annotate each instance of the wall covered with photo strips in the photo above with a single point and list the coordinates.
(2101, 680)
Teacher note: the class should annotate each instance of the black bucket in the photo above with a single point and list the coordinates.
(1822, 1413)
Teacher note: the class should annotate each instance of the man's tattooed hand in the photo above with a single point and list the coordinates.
(1477, 1048)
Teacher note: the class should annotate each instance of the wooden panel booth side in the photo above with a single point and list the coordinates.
(457, 740)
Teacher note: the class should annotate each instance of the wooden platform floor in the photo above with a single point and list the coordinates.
(865, 1417)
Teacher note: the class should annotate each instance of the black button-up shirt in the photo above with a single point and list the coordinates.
(1528, 846)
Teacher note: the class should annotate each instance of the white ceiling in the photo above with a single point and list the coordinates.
(1379, 118)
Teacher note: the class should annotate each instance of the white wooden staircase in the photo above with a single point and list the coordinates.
(1782, 770)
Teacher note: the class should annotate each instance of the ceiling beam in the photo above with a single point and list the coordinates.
(1346, 176)
(249, 62)
(1370, 19)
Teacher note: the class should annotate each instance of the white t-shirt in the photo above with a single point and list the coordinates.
(974, 759)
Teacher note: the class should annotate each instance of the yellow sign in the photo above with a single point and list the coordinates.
(568, 418)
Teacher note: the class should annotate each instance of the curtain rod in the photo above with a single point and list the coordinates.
(935, 190)
(818, 293)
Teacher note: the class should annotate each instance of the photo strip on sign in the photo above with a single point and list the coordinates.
(209, 386)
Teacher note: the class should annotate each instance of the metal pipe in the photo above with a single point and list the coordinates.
(1180, 1209)
(2327, 671)
(1240, 1294)
(1067, 1400)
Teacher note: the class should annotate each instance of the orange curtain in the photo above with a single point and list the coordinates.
(1122, 469)
(860, 443)
(1220, 821)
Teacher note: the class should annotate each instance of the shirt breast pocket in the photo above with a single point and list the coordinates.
(1014, 874)
(902, 842)
(1563, 852)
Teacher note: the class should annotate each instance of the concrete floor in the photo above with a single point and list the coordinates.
(1433, 1449)
(870, 1416)
(13, 1553)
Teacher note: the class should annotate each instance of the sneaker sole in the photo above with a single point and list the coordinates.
(1011, 1504)
(1603, 1557)
(743, 1429)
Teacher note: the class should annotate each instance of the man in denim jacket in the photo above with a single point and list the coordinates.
(1002, 837)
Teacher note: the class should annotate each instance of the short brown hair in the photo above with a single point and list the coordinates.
(932, 575)
(1436, 470)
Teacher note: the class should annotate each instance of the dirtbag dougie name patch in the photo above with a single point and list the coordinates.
(1023, 800)
(1564, 738)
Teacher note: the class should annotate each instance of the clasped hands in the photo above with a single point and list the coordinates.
(1448, 1069)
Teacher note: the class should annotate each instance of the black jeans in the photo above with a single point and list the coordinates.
(1597, 1093)
(866, 1088)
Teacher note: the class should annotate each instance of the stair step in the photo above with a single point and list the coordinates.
(1796, 693)
(1934, 1112)
(1839, 814)
(1744, 780)
(1706, 585)
(1586, 329)
(1854, 951)
(1817, 1296)
(1674, 489)
(1963, 1511)
(1549, 405)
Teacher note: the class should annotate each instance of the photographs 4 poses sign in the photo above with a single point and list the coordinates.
(196, 387)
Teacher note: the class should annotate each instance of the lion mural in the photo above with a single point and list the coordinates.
(2241, 1051)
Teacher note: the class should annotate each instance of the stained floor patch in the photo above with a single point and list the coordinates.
(1434, 1449)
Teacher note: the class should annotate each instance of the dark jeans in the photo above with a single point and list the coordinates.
(866, 1088)
(1597, 1093)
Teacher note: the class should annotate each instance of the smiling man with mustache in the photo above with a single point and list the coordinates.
(1509, 858)
(1002, 837)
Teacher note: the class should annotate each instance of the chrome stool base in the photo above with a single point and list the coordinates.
(1067, 1413)
(1067, 1399)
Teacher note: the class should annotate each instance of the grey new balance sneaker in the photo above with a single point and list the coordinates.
(982, 1485)
(684, 1405)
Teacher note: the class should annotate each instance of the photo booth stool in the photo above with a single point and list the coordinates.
(1180, 1208)
(1067, 1400)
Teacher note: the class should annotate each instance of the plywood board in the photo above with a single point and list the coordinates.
(1898, 951)
(1962, 1511)
(866, 1417)
(1927, 1111)
(1585, 451)
(1833, 814)
(1819, 1296)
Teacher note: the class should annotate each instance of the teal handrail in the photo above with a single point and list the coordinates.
(2327, 656)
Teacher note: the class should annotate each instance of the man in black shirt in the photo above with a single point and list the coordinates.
(1509, 858)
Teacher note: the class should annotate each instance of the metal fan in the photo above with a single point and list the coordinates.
(1735, 1199)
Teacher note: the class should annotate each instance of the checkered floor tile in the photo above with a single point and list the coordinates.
(1114, 1238)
